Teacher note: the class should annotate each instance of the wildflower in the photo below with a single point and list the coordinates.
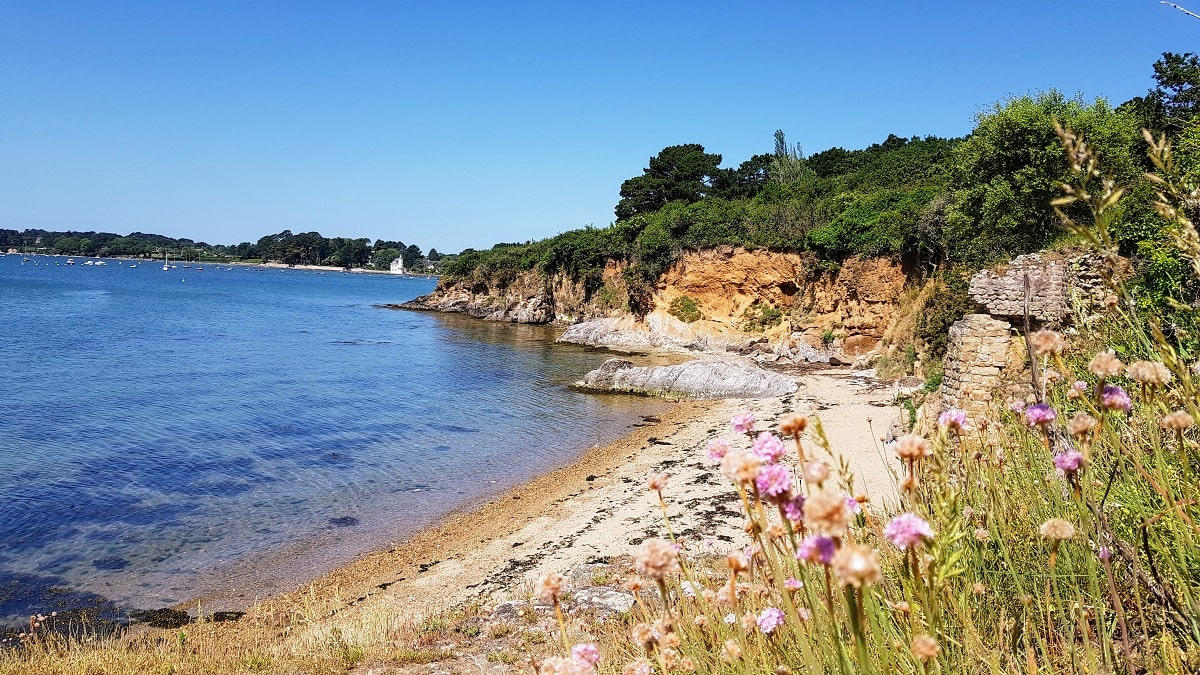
(826, 511)
(1113, 397)
(1106, 364)
(854, 505)
(558, 665)
(732, 650)
(657, 482)
(1017, 406)
(978, 588)
(1081, 424)
(1077, 389)
(907, 530)
(717, 448)
(816, 548)
(816, 472)
(730, 619)
(643, 635)
(743, 423)
(1068, 461)
(687, 665)
(912, 447)
(793, 509)
(1177, 421)
(1104, 554)
(857, 565)
(953, 419)
(688, 589)
(638, 667)
(656, 559)
(1040, 415)
(793, 425)
(740, 466)
(1149, 372)
(768, 447)
(925, 648)
(982, 534)
(586, 652)
(701, 621)
(736, 562)
(793, 584)
(1057, 529)
(549, 587)
(1047, 343)
(749, 621)
(770, 619)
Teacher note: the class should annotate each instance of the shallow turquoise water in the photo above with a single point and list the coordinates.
(167, 435)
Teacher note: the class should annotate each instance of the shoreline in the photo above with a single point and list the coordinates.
(591, 510)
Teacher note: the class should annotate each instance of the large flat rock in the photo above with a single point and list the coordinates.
(702, 378)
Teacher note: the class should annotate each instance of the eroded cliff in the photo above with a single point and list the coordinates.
(795, 300)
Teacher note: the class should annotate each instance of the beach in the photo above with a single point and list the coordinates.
(598, 508)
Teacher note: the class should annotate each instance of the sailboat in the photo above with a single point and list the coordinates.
(165, 265)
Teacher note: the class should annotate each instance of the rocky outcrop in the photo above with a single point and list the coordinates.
(702, 378)
(619, 335)
(811, 302)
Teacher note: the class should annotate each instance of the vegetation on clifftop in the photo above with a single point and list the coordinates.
(937, 202)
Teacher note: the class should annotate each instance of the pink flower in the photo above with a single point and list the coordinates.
(743, 423)
(907, 530)
(770, 619)
(793, 584)
(953, 419)
(586, 652)
(1040, 415)
(1069, 461)
(816, 548)
(768, 447)
(717, 448)
(853, 505)
(1017, 406)
(1113, 397)
(774, 481)
(793, 509)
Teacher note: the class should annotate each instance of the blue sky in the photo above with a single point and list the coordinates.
(462, 124)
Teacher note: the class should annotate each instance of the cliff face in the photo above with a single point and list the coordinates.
(730, 286)
(802, 299)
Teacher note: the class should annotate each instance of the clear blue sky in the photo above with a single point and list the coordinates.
(461, 124)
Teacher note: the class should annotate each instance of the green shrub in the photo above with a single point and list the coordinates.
(684, 308)
(759, 317)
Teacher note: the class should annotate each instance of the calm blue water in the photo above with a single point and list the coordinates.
(228, 433)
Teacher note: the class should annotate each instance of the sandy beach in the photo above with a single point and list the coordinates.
(598, 508)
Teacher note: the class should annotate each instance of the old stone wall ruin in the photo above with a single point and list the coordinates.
(985, 359)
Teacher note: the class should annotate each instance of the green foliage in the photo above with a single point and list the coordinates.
(947, 304)
(684, 308)
(1006, 173)
(677, 173)
(759, 317)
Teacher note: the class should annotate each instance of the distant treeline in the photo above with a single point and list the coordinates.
(939, 203)
(308, 248)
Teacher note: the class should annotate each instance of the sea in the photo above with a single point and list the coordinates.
(227, 432)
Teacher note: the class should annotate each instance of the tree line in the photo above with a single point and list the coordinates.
(939, 203)
(307, 248)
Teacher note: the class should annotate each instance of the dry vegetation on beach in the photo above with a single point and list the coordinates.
(1053, 535)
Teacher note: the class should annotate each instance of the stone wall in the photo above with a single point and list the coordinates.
(1001, 293)
(985, 359)
(977, 355)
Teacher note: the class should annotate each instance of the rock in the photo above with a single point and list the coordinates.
(603, 599)
(836, 359)
(618, 335)
(702, 378)
(907, 386)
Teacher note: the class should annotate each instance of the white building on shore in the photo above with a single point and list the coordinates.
(397, 266)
